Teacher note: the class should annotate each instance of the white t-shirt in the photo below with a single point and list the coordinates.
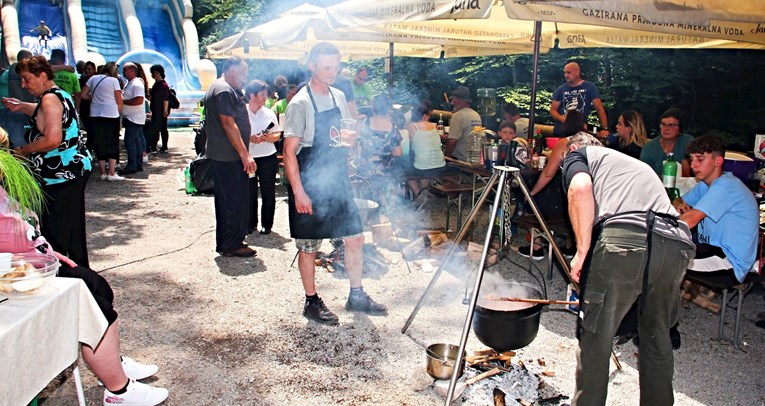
(258, 122)
(103, 103)
(299, 114)
(134, 114)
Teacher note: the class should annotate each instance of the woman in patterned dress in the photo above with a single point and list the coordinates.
(57, 154)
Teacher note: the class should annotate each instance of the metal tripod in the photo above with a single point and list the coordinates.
(499, 175)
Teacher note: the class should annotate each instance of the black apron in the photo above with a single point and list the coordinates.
(630, 319)
(324, 174)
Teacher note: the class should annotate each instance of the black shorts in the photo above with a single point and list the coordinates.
(105, 133)
(97, 285)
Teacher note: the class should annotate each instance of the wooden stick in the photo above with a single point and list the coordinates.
(486, 374)
(538, 301)
(446, 98)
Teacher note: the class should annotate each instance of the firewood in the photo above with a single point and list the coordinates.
(499, 397)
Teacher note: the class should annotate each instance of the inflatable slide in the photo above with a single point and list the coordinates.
(145, 31)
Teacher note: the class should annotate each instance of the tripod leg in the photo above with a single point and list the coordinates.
(477, 286)
(452, 248)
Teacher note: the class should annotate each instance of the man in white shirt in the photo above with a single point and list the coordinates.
(134, 118)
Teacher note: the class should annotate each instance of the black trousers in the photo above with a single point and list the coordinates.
(265, 181)
(232, 194)
(152, 132)
(63, 219)
(97, 285)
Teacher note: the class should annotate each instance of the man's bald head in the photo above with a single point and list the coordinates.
(572, 73)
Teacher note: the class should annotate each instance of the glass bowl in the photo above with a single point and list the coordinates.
(25, 274)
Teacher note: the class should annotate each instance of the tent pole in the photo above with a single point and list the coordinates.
(390, 73)
(534, 77)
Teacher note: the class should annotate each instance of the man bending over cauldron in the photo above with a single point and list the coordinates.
(320, 198)
(621, 215)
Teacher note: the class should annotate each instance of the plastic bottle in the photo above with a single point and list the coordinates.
(474, 147)
(440, 125)
(669, 171)
(190, 189)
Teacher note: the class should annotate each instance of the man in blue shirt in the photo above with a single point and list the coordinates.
(577, 94)
(724, 210)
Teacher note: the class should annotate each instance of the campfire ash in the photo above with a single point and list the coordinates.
(516, 382)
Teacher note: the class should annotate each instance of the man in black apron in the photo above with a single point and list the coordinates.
(320, 198)
(630, 245)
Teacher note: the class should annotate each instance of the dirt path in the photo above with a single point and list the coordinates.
(230, 331)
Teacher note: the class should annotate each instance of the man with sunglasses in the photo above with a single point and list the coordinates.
(655, 152)
(630, 245)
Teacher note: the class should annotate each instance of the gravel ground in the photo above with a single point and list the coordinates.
(230, 331)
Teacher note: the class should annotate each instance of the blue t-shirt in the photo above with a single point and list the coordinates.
(653, 154)
(732, 219)
(575, 98)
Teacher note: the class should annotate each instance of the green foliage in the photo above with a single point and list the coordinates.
(20, 184)
(217, 19)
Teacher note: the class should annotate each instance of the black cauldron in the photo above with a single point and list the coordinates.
(506, 326)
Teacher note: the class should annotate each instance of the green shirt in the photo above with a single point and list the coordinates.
(280, 107)
(67, 81)
(362, 94)
(4, 86)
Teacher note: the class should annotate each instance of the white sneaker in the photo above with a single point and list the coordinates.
(146, 159)
(137, 394)
(136, 370)
(103, 177)
(114, 178)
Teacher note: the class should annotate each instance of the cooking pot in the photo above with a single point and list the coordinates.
(368, 210)
(504, 325)
(491, 156)
(441, 358)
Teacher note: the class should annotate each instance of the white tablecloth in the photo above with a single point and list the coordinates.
(39, 336)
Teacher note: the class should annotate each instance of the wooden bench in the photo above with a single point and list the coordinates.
(454, 195)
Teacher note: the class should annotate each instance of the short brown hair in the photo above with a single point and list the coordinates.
(706, 143)
(35, 65)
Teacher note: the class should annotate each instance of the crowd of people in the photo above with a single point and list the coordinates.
(620, 216)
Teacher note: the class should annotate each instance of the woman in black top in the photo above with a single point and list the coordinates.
(159, 99)
(632, 133)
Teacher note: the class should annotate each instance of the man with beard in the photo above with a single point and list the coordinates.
(320, 198)
(228, 134)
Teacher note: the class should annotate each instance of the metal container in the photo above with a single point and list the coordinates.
(440, 361)
(487, 101)
(505, 330)
(491, 156)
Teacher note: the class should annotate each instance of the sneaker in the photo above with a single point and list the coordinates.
(568, 252)
(316, 310)
(136, 370)
(537, 255)
(137, 394)
(363, 303)
(146, 159)
(114, 178)
(242, 252)
(103, 177)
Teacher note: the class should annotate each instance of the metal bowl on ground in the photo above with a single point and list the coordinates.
(440, 361)
(368, 210)
(504, 325)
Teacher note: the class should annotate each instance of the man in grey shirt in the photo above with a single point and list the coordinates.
(621, 215)
(461, 124)
(321, 203)
(228, 134)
